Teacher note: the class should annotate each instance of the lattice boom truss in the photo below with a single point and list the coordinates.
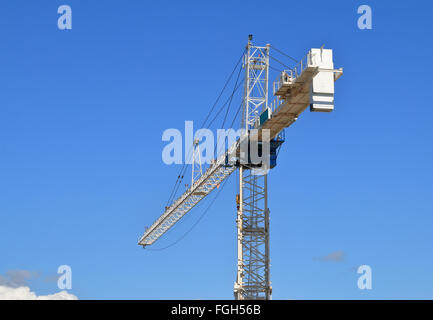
(210, 179)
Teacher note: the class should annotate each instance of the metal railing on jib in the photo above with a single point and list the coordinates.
(293, 73)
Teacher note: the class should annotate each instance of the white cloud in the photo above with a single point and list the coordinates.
(24, 293)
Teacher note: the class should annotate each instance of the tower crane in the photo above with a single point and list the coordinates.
(309, 84)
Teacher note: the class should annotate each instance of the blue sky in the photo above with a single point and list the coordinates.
(82, 112)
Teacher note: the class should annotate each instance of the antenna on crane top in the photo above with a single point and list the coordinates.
(250, 39)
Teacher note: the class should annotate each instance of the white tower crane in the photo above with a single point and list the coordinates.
(309, 84)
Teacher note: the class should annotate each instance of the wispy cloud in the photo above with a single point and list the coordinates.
(17, 278)
(14, 286)
(336, 256)
(52, 278)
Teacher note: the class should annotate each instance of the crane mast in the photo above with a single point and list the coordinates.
(253, 275)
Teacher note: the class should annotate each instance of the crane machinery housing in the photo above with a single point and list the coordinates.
(309, 84)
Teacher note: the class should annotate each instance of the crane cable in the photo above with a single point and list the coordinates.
(231, 97)
(275, 69)
(228, 107)
(284, 54)
(225, 85)
(195, 223)
(222, 108)
(184, 235)
(183, 169)
(279, 62)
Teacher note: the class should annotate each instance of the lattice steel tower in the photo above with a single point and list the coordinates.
(253, 276)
